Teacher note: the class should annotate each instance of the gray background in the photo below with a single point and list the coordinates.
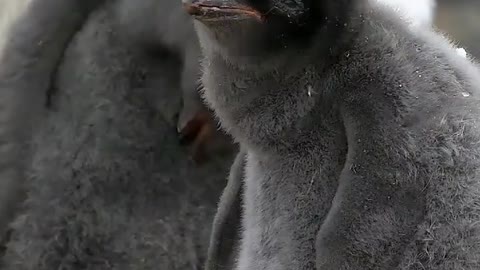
(461, 20)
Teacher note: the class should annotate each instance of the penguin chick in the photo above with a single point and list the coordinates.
(362, 135)
(108, 185)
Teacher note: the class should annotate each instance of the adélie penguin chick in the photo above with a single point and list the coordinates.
(362, 137)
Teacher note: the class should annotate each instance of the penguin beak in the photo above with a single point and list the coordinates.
(220, 10)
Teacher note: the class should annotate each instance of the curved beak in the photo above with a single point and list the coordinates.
(220, 10)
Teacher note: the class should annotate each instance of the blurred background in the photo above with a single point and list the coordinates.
(460, 19)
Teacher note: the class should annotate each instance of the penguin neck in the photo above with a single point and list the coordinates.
(261, 109)
(259, 101)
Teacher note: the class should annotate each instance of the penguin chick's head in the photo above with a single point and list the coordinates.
(252, 29)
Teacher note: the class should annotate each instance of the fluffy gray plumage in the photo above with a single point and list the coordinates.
(32, 52)
(362, 137)
(109, 186)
